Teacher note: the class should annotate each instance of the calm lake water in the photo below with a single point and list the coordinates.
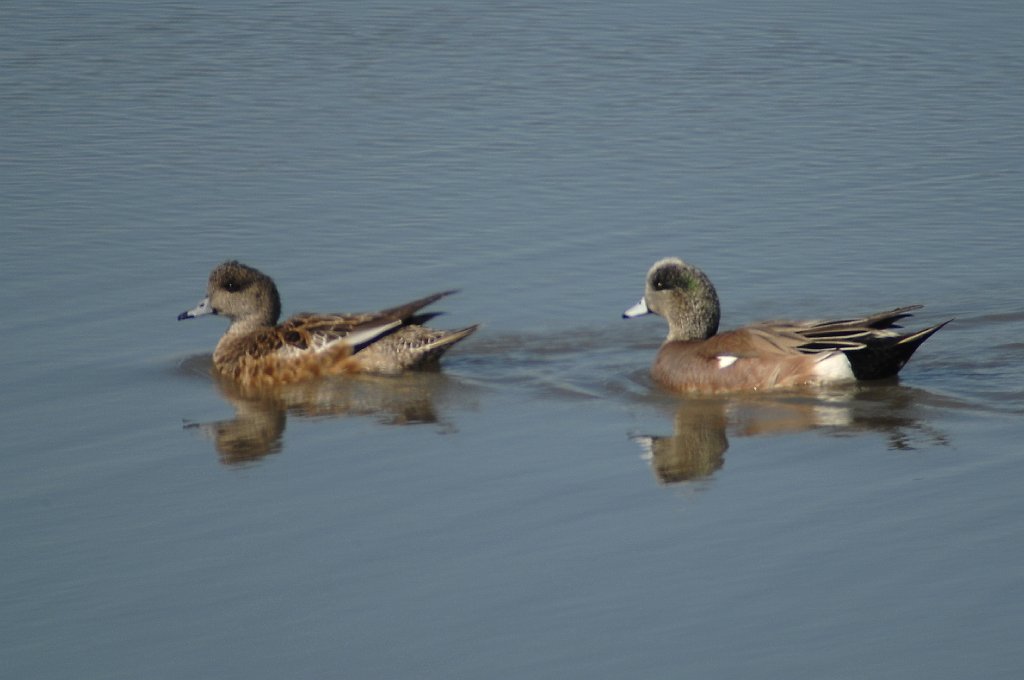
(538, 509)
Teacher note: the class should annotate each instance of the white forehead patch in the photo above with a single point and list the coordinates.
(726, 360)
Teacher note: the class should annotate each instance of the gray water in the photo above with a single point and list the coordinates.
(539, 508)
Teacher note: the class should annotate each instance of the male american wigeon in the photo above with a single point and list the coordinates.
(695, 357)
(256, 351)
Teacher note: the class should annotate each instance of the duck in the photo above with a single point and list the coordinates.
(257, 351)
(766, 355)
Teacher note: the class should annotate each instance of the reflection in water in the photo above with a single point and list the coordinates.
(696, 449)
(261, 414)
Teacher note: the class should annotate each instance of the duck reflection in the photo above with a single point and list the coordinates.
(261, 414)
(701, 425)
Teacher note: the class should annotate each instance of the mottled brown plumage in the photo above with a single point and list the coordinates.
(257, 351)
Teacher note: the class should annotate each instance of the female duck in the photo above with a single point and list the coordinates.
(257, 351)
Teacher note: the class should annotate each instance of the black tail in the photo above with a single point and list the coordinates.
(883, 357)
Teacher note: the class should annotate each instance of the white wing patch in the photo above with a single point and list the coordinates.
(833, 367)
(726, 360)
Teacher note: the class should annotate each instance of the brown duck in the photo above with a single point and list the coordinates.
(695, 357)
(257, 351)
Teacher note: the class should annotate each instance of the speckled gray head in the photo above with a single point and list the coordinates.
(241, 293)
(684, 296)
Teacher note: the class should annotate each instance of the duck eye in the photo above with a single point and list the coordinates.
(231, 286)
(667, 280)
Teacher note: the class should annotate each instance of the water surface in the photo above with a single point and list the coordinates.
(539, 508)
